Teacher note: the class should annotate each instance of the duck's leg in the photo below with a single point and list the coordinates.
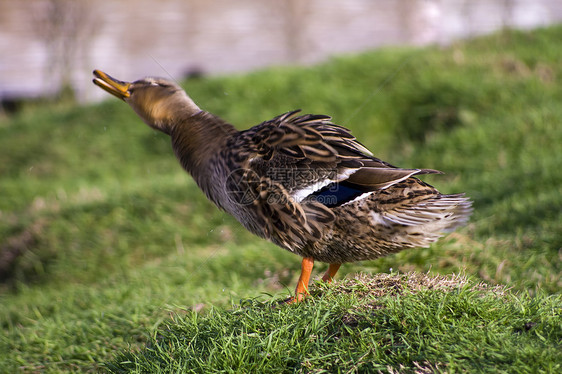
(331, 272)
(302, 285)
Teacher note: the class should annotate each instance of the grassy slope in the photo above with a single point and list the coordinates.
(366, 324)
(109, 234)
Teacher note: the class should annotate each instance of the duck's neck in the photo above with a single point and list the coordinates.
(196, 140)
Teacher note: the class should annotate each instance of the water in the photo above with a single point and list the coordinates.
(47, 43)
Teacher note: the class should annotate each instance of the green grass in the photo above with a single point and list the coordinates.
(109, 252)
(361, 326)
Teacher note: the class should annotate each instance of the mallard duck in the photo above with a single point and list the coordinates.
(300, 181)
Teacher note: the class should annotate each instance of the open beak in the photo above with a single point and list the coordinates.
(114, 86)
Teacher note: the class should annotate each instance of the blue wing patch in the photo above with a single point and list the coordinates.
(336, 194)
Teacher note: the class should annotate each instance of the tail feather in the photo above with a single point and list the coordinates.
(426, 221)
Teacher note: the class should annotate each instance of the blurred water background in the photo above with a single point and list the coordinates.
(53, 45)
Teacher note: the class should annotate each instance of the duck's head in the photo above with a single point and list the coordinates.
(159, 102)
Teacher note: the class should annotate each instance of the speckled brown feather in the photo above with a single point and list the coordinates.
(407, 214)
(307, 227)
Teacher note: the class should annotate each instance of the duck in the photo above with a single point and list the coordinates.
(298, 180)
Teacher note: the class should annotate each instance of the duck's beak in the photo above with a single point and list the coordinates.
(114, 86)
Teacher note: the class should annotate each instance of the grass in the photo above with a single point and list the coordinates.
(359, 326)
(112, 259)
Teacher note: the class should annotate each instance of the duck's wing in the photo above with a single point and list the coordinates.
(304, 166)
(308, 153)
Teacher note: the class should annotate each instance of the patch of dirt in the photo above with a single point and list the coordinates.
(384, 284)
(12, 248)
